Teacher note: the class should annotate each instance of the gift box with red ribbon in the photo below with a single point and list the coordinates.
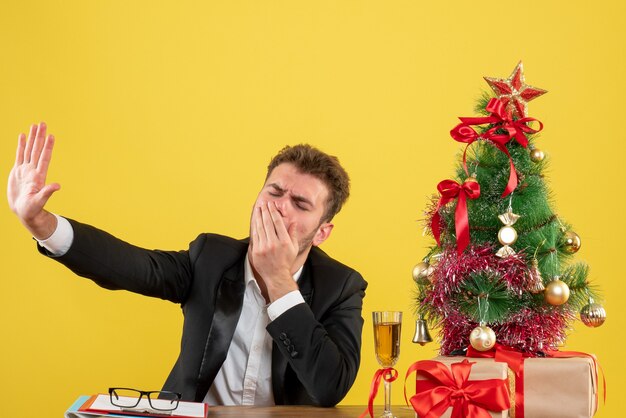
(560, 387)
(458, 387)
(564, 385)
(561, 384)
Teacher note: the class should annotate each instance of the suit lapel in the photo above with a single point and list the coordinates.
(305, 284)
(229, 302)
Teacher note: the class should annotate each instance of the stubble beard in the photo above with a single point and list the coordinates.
(305, 243)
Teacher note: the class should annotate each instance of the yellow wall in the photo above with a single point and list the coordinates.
(166, 115)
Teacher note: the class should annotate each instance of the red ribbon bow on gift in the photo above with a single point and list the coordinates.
(444, 389)
(450, 190)
(515, 129)
(388, 374)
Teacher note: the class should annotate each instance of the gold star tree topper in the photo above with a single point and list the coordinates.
(514, 91)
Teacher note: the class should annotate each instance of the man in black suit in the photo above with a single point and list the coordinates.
(268, 320)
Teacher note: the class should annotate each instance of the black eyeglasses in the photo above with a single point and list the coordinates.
(159, 400)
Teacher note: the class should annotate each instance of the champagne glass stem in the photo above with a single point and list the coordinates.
(387, 412)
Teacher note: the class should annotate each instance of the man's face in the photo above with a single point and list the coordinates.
(300, 199)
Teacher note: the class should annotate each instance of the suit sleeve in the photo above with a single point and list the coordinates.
(325, 353)
(115, 264)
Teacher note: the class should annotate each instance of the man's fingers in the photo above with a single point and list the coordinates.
(277, 221)
(29, 143)
(258, 231)
(46, 155)
(268, 223)
(32, 132)
(293, 237)
(38, 144)
(19, 154)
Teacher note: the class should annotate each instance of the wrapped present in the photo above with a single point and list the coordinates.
(457, 387)
(560, 387)
(564, 384)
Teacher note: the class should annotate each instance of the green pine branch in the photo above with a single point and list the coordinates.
(483, 297)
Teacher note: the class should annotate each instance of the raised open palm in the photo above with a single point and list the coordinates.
(27, 191)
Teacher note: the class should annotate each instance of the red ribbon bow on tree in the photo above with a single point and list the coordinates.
(443, 389)
(515, 129)
(450, 190)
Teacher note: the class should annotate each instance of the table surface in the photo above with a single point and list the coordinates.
(400, 411)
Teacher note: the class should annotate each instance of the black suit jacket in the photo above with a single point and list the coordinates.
(316, 348)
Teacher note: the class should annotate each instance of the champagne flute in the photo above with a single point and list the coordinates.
(387, 326)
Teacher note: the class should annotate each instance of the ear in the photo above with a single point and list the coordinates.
(322, 234)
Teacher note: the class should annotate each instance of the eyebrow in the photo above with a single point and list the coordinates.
(297, 198)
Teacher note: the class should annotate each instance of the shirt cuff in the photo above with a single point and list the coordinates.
(284, 303)
(61, 239)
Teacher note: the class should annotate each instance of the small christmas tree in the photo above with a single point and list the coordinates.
(501, 268)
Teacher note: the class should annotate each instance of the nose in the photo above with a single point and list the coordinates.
(281, 205)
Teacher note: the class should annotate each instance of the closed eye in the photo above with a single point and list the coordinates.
(302, 203)
(275, 190)
(300, 206)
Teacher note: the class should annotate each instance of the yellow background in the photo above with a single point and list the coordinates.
(166, 115)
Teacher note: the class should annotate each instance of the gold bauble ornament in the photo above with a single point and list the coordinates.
(482, 338)
(593, 315)
(537, 155)
(557, 292)
(421, 272)
(434, 260)
(571, 242)
(471, 178)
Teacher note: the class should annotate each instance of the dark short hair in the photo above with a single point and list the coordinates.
(310, 160)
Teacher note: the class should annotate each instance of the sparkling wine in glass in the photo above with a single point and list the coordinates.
(387, 327)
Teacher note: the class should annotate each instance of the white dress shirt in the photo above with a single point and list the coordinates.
(245, 377)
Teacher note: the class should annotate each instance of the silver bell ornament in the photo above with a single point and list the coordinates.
(422, 336)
